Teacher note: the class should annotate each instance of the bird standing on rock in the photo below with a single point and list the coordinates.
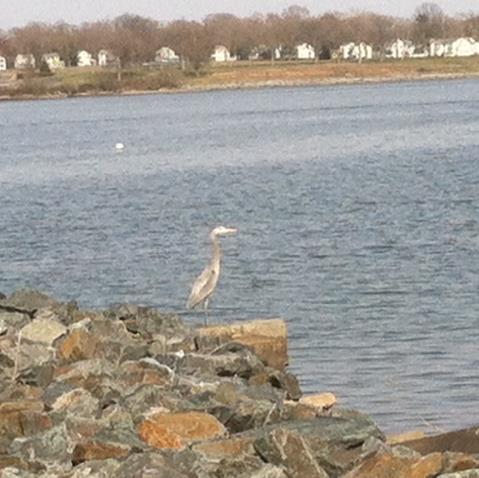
(206, 282)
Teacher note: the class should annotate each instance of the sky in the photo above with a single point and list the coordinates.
(20, 12)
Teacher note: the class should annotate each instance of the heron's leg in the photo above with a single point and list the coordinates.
(205, 305)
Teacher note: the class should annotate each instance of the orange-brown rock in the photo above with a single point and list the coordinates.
(382, 465)
(15, 424)
(79, 345)
(176, 430)
(321, 401)
(267, 338)
(427, 467)
(98, 451)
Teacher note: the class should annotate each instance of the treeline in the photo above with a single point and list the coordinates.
(135, 39)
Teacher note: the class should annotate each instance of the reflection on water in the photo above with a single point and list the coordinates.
(358, 215)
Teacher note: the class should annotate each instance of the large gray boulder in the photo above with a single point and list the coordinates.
(287, 448)
(30, 300)
(146, 321)
(335, 442)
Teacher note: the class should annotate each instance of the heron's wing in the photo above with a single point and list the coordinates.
(203, 286)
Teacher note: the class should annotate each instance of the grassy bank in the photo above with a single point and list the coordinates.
(289, 73)
(93, 81)
(79, 81)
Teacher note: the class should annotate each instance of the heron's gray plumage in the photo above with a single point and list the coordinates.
(206, 282)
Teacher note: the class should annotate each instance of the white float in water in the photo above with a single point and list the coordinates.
(119, 146)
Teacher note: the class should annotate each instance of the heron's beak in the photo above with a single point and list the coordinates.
(231, 230)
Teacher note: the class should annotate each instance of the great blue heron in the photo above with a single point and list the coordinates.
(206, 282)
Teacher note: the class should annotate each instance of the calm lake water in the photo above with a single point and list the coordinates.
(358, 211)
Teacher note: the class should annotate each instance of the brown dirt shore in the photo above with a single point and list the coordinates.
(75, 82)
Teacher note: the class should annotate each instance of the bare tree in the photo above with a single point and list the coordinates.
(335, 32)
(190, 40)
(3, 39)
(249, 36)
(134, 39)
(429, 21)
(376, 30)
(470, 25)
(222, 27)
(96, 36)
(402, 28)
(292, 28)
(34, 38)
(272, 34)
(313, 34)
(65, 41)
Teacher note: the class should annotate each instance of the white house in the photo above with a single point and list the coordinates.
(222, 54)
(305, 52)
(53, 61)
(106, 58)
(23, 62)
(166, 55)
(464, 46)
(399, 49)
(85, 59)
(3, 63)
(356, 51)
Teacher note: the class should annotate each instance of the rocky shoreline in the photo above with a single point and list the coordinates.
(133, 392)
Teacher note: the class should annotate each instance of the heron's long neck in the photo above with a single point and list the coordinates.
(216, 258)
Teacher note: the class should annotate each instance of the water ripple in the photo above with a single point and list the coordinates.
(358, 215)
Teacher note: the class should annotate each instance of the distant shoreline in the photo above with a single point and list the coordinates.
(242, 77)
